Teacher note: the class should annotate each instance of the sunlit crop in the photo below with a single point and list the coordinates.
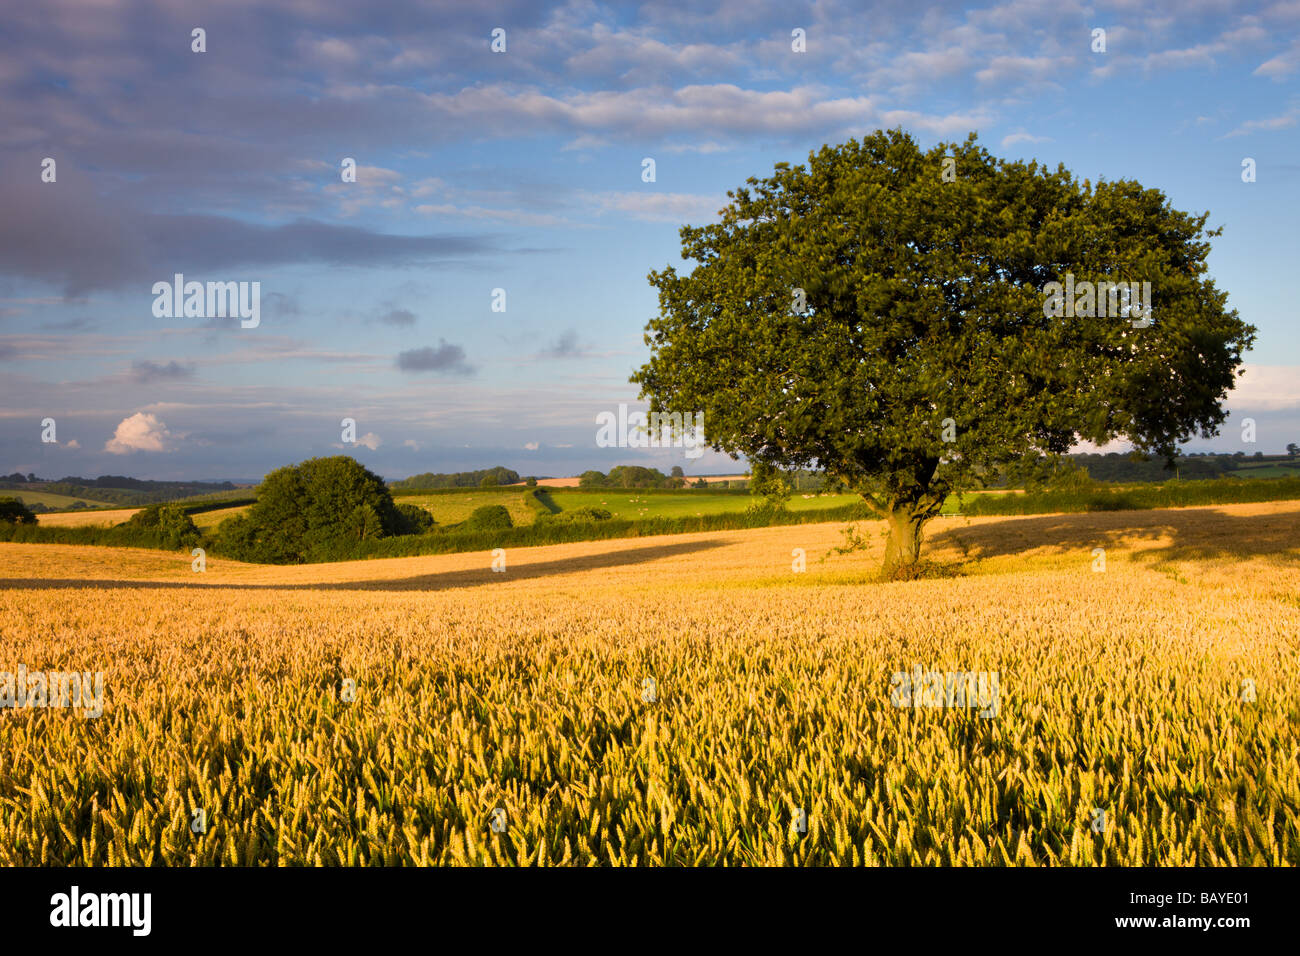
(1159, 698)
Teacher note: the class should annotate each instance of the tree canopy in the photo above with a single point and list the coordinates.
(313, 511)
(13, 510)
(882, 313)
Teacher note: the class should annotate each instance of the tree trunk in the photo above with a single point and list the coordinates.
(904, 546)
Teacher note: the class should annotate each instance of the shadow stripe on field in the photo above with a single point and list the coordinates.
(436, 581)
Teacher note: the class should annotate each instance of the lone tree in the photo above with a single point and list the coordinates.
(884, 314)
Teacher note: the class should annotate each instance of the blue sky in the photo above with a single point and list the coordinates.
(522, 171)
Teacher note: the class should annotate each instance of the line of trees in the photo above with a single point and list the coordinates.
(114, 489)
(486, 478)
(632, 476)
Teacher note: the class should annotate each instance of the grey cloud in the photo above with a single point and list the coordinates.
(64, 233)
(70, 325)
(398, 317)
(147, 372)
(445, 358)
(566, 346)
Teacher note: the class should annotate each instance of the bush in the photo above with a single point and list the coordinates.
(13, 511)
(162, 526)
(415, 520)
(489, 518)
(761, 508)
(576, 515)
(774, 485)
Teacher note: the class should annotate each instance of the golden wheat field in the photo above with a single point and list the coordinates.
(519, 701)
(84, 519)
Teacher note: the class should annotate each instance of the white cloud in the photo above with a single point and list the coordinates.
(702, 148)
(73, 444)
(140, 432)
(718, 110)
(1030, 69)
(586, 141)
(1266, 388)
(532, 446)
(1023, 138)
(659, 207)
(370, 440)
(483, 212)
(1281, 65)
(1285, 121)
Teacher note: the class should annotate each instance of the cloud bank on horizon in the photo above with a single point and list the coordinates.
(451, 241)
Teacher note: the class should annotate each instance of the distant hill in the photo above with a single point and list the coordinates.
(116, 490)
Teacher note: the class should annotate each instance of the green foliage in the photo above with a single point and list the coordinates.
(576, 515)
(165, 527)
(1171, 494)
(1071, 477)
(626, 476)
(312, 511)
(13, 511)
(415, 520)
(168, 525)
(115, 489)
(489, 518)
(540, 500)
(531, 483)
(458, 479)
(924, 302)
(774, 485)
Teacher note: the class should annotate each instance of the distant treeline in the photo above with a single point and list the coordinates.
(650, 479)
(1118, 467)
(114, 489)
(500, 475)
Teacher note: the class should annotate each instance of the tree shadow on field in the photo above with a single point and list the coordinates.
(1195, 534)
(434, 581)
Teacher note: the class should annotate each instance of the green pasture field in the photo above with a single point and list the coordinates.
(53, 501)
(454, 508)
(631, 505)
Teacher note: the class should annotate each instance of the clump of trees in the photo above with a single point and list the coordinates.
(631, 476)
(161, 526)
(417, 520)
(316, 511)
(575, 515)
(489, 518)
(13, 511)
(500, 475)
